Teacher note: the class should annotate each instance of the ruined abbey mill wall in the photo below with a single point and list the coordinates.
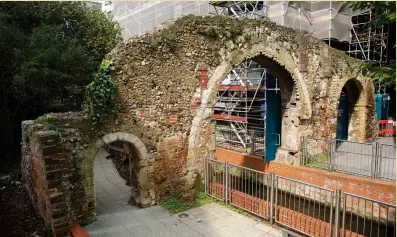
(167, 82)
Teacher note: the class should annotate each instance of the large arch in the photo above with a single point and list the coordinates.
(295, 99)
(146, 195)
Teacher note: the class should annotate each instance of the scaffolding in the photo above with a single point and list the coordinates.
(240, 108)
(367, 42)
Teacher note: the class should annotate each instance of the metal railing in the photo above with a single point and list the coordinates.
(353, 158)
(214, 176)
(300, 206)
(386, 168)
(374, 160)
(248, 189)
(304, 207)
(367, 217)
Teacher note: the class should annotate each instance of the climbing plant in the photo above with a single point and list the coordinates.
(101, 96)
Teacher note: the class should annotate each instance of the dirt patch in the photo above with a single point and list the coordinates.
(17, 215)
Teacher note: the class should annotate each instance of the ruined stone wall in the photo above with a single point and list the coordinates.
(168, 79)
(53, 149)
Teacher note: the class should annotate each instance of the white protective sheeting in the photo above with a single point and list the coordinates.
(323, 19)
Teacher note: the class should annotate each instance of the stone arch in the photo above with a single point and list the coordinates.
(146, 194)
(357, 103)
(292, 84)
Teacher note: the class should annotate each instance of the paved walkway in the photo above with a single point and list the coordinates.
(357, 158)
(117, 218)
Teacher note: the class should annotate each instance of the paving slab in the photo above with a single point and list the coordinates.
(116, 218)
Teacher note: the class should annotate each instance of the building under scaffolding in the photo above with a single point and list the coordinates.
(330, 21)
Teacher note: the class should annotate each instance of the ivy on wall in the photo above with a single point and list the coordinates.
(101, 96)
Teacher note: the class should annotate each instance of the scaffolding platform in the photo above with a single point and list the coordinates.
(229, 118)
(241, 88)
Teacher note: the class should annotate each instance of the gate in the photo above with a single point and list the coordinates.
(248, 189)
(214, 178)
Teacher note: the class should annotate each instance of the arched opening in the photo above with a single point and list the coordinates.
(118, 174)
(255, 109)
(116, 169)
(348, 121)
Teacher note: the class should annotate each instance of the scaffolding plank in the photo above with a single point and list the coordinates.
(240, 88)
(229, 117)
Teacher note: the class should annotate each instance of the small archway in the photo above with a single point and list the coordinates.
(140, 163)
(351, 118)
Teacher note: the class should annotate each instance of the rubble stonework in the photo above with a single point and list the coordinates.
(167, 71)
(167, 82)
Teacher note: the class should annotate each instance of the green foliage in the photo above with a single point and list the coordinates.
(49, 52)
(221, 27)
(101, 96)
(168, 40)
(210, 31)
(53, 127)
(44, 118)
(383, 13)
(48, 227)
(175, 205)
(385, 75)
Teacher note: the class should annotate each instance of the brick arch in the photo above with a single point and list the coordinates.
(146, 195)
(358, 101)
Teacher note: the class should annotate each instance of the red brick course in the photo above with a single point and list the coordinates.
(203, 77)
(371, 188)
(286, 216)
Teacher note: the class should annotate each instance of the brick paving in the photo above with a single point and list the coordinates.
(117, 218)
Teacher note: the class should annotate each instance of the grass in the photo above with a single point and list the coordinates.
(175, 205)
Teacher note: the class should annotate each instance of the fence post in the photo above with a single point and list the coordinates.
(378, 167)
(271, 197)
(374, 163)
(225, 186)
(337, 210)
(252, 135)
(205, 176)
(303, 150)
(330, 154)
